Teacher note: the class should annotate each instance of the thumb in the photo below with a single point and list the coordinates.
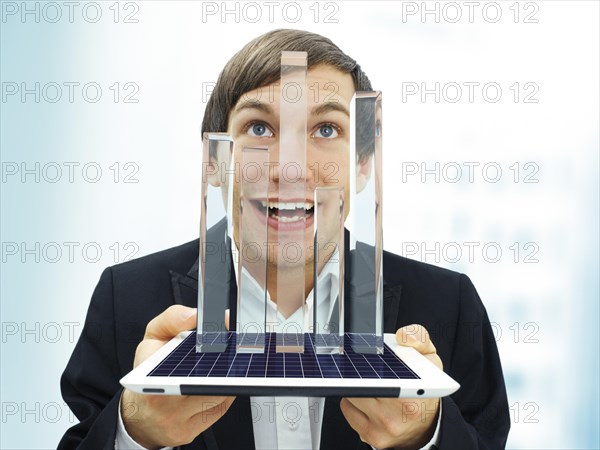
(417, 337)
(170, 322)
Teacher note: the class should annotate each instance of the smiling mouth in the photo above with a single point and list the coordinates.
(285, 212)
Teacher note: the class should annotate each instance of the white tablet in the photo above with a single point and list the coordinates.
(177, 369)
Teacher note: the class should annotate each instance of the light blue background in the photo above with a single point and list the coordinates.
(172, 55)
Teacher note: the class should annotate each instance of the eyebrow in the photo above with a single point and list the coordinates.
(254, 104)
(317, 110)
(330, 106)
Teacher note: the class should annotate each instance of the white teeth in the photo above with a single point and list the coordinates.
(289, 219)
(287, 205)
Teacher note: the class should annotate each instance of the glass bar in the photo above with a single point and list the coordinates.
(364, 296)
(288, 220)
(214, 269)
(328, 316)
(252, 251)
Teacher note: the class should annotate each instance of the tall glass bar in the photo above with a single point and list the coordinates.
(328, 309)
(252, 173)
(214, 272)
(364, 296)
(288, 221)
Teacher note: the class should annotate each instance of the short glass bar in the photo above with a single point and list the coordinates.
(214, 271)
(252, 252)
(289, 219)
(364, 296)
(328, 310)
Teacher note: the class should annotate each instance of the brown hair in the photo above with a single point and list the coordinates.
(258, 64)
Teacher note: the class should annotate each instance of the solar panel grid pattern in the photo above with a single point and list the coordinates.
(184, 361)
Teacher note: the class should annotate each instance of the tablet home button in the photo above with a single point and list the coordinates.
(154, 390)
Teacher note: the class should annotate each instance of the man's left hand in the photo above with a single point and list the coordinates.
(393, 422)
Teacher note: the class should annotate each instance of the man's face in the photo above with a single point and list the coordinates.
(254, 122)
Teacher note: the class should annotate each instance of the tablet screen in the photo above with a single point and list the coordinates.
(184, 361)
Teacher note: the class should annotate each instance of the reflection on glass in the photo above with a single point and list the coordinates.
(214, 274)
(252, 252)
(364, 297)
(287, 217)
(328, 312)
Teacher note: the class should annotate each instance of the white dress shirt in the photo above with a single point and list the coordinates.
(281, 422)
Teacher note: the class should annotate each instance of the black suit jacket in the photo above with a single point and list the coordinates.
(129, 295)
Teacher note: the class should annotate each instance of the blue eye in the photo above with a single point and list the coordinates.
(259, 129)
(326, 131)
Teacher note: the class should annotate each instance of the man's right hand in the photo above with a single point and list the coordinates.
(156, 421)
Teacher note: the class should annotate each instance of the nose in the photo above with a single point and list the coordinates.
(290, 162)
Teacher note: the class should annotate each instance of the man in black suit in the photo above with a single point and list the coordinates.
(151, 299)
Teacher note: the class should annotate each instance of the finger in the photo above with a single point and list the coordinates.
(357, 419)
(368, 406)
(417, 337)
(227, 319)
(206, 419)
(195, 404)
(145, 349)
(170, 322)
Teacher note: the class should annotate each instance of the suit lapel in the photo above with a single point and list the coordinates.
(185, 287)
(391, 306)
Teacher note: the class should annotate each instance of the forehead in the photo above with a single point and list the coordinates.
(325, 84)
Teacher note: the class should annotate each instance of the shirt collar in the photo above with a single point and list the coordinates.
(327, 290)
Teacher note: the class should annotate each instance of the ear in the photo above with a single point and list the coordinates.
(364, 168)
(212, 172)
